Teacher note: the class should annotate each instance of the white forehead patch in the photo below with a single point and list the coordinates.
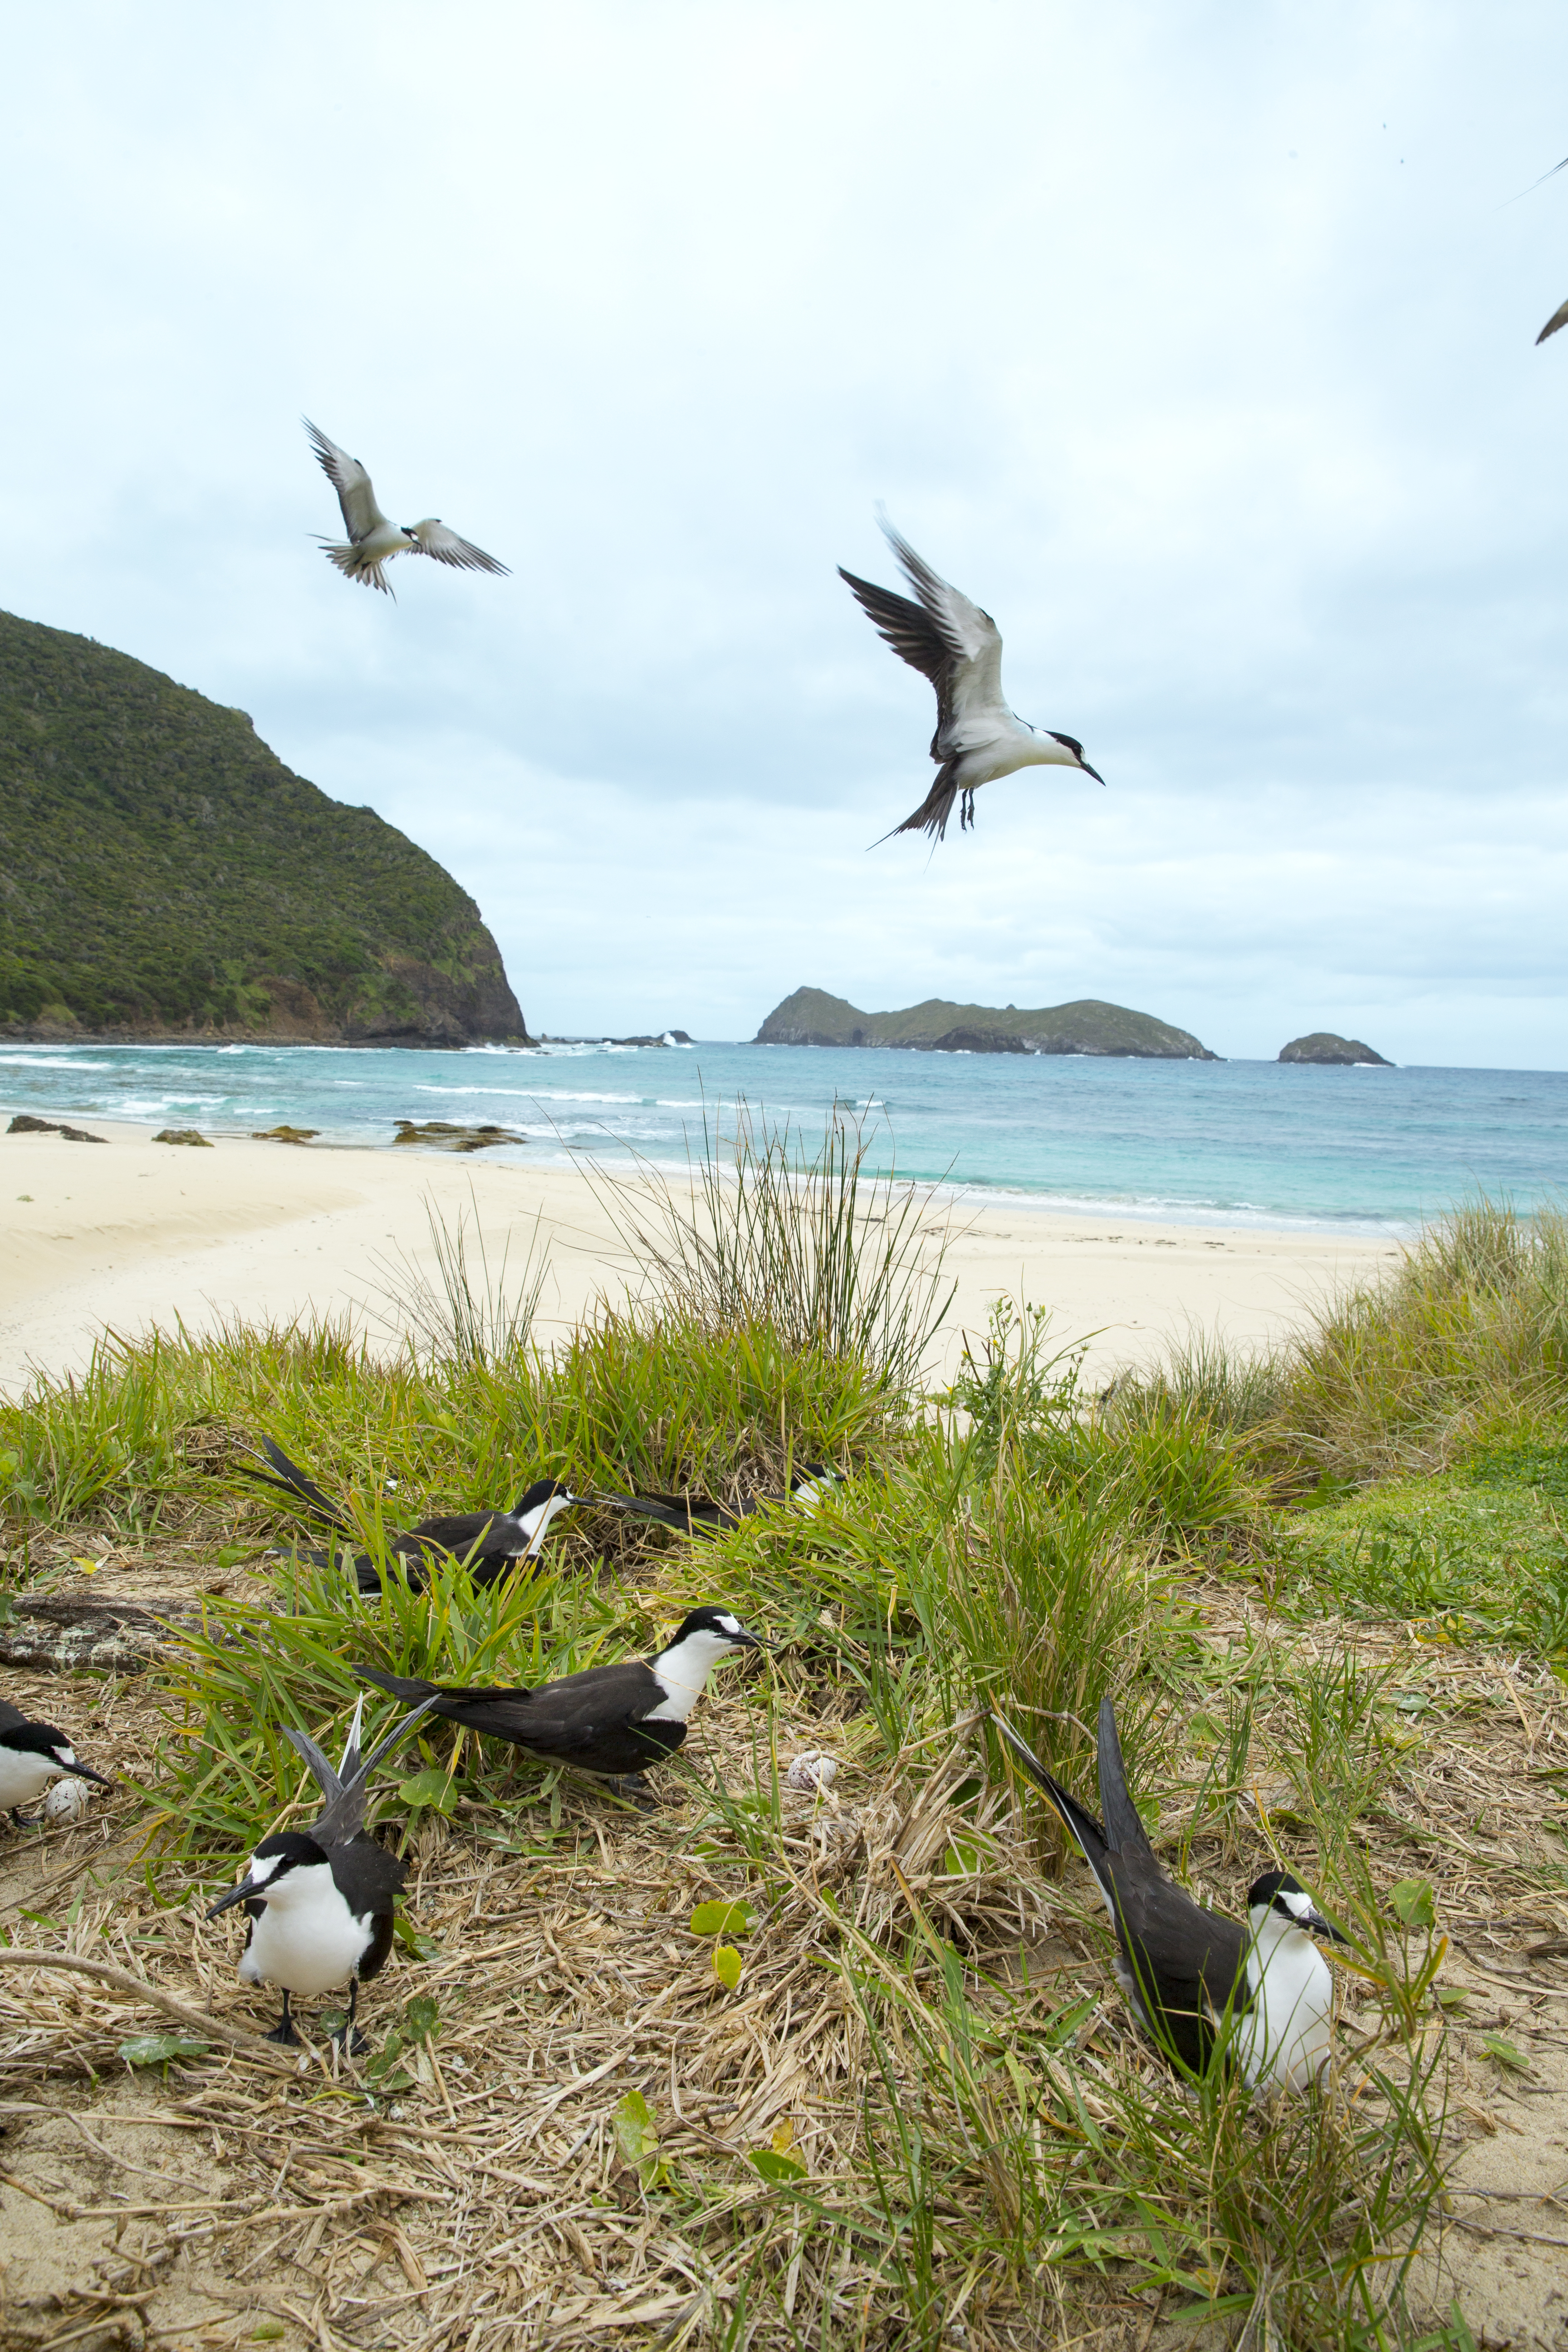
(730, 1624)
(262, 1866)
(1296, 1901)
(65, 1753)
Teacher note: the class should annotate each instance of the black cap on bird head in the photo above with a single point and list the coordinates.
(1278, 1891)
(275, 1857)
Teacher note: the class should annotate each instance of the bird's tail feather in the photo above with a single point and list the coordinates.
(933, 812)
(1124, 1828)
(342, 1817)
(292, 1480)
(1079, 1823)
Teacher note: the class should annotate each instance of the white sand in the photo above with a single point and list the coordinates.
(132, 1233)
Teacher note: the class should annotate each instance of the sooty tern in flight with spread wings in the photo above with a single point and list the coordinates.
(371, 539)
(611, 1720)
(493, 1543)
(31, 1756)
(959, 648)
(1184, 1969)
(321, 1901)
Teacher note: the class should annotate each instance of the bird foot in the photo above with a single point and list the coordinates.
(25, 1821)
(284, 2034)
(966, 813)
(637, 1791)
(351, 2041)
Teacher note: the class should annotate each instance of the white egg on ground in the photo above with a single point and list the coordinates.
(67, 1801)
(816, 1773)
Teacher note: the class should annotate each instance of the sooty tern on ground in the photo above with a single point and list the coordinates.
(698, 1514)
(321, 1901)
(371, 539)
(1183, 1969)
(31, 1756)
(492, 1542)
(615, 1721)
(959, 648)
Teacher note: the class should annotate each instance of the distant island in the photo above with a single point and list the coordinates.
(1338, 1053)
(164, 875)
(811, 1017)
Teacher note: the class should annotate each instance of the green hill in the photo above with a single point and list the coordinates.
(811, 1017)
(162, 873)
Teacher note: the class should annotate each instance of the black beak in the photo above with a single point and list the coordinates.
(1316, 1925)
(86, 1772)
(1087, 770)
(749, 1641)
(236, 1895)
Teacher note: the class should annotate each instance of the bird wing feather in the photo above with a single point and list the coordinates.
(971, 711)
(351, 483)
(445, 545)
(1558, 319)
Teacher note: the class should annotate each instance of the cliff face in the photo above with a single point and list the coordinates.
(811, 1017)
(163, 874)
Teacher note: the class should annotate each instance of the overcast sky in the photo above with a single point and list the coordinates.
(1195, 342)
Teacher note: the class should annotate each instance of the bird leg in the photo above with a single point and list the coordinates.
(284, 2029)
(634, 1787)
(351, 2043)
(25, 1821)
(966, 812)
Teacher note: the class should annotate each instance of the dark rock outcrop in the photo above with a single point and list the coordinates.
(1340, 1053)
(811, 1017)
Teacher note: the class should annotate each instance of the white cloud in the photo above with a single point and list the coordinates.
(1217, 392)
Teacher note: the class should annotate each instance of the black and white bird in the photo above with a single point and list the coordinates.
(321, 1901)
(371, 541)
(959, 648)
(615, 1721)
(493, 1543)
(1185, 1970)
(700, 1514)
(31, 1756)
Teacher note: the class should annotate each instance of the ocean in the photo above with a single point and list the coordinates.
(1234, 1143)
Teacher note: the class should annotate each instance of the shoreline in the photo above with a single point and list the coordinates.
(128, 1233)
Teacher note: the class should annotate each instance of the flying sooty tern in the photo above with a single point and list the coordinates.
(31, 1756)
(321, 1901)
(373, 542)
(615, 1721)
(959, 648)
(494, 1542)
(1184, 1969)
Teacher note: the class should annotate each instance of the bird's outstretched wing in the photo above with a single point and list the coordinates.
(949, 639)
(351, 483)
(1559, 319)
(445, 545)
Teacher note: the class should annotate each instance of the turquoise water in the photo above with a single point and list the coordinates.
(1224, 1142)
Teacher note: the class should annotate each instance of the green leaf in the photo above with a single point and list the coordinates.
(414, 1941)
(157, 2049)
(1413, 1903)
(722, 1920)
(268, 2331)
(727, 1965)
(775, 2167)
(1497, 2046)
(1451, 1996)
(423, 2016)
(962, 1858)
(637, 2137)
(430, 1787)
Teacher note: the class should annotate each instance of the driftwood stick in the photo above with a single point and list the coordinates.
(212, 2029)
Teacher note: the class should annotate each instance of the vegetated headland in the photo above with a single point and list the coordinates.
(166, 876)
(811, 1017)
(839, 2066)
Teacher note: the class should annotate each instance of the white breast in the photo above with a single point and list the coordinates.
(23, 1775)
(1286, 2035)
(307, 1940)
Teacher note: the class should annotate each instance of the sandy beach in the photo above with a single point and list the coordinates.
(130, 1232)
